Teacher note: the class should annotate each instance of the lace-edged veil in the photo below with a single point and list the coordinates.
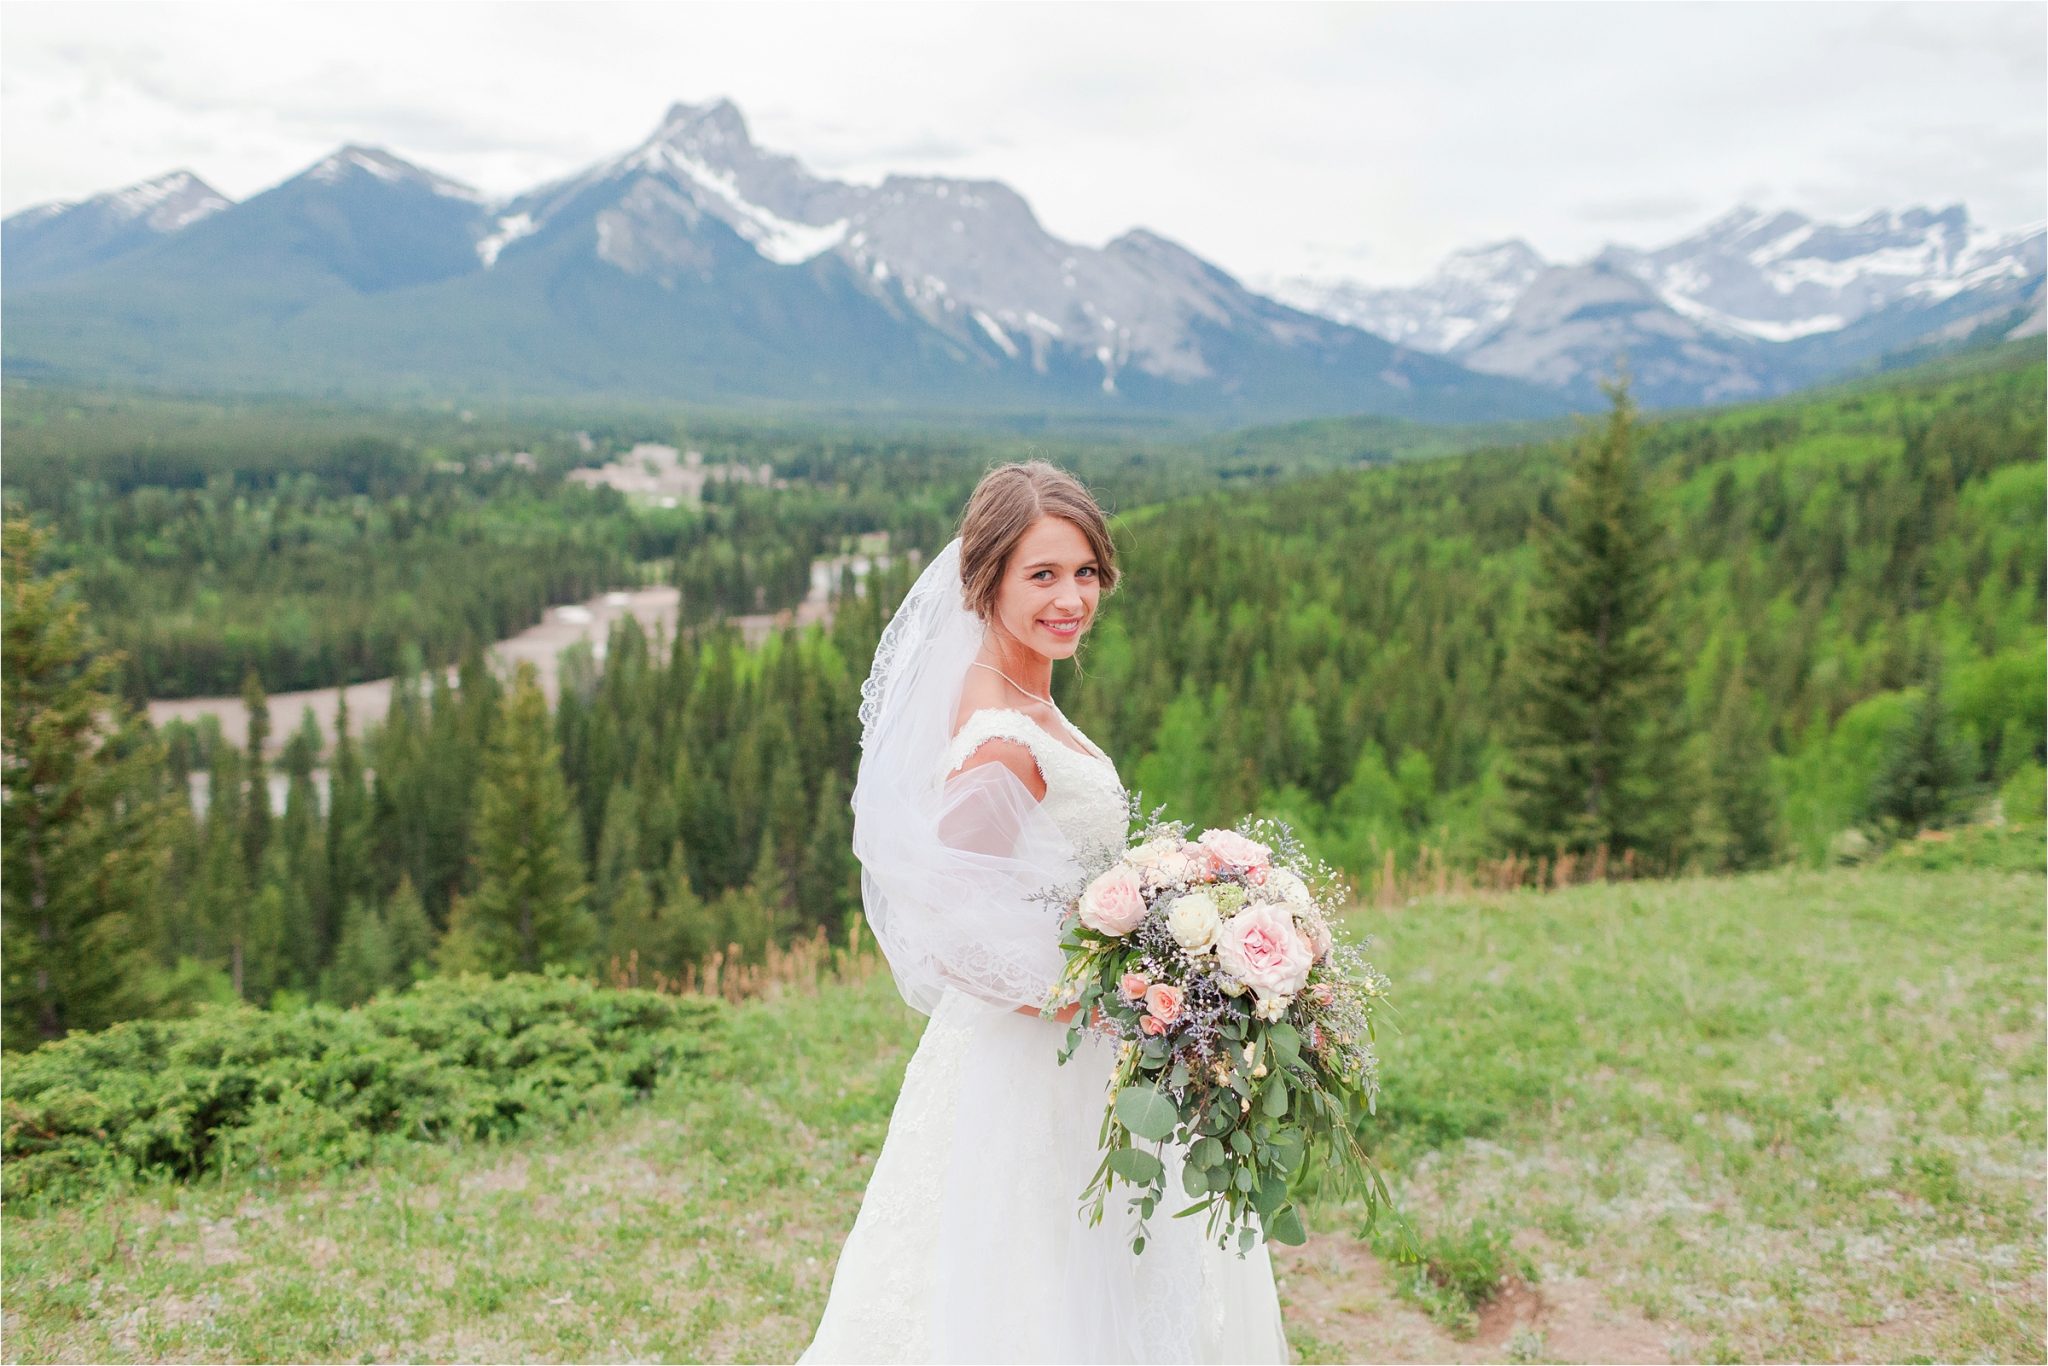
(949, 865)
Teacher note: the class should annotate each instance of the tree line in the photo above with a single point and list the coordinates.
(1710, 643)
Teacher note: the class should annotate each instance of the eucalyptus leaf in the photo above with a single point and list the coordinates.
(1285, 1227)
(1146, 1112)
(1286, 1042)
(1271, 1194)
(1135, 1165)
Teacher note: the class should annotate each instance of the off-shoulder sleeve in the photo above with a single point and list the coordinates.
(996, 723)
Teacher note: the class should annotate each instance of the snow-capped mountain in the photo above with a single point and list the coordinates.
(52, 240)
(1471, 291)
(1751, 304)
(696, 264)
(1782, 276)
(965, 258)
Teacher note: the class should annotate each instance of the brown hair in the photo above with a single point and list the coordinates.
(1007, 502)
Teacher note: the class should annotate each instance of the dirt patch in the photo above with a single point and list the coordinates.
(509, 1175)
(1338, 1298)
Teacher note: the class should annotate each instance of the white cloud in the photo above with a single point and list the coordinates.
(1367, 138)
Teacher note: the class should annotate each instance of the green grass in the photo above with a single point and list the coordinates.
(1790, 1116)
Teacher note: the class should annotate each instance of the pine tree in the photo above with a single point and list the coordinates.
(1925, 777)
(788, 814)
(528, 909)
(618, 847)
(831, 882)
(256, 810)
(363, 962)
(84, 824)
(768, 887)
(1740, 826)
(348, 832)
(1595, 738)
(305, 853)
(411, 934)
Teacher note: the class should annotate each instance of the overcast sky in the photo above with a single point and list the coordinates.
(1359, 140)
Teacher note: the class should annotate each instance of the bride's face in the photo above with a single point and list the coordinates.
(1051, 579)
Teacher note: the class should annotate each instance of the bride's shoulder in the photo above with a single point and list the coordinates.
(986, 730)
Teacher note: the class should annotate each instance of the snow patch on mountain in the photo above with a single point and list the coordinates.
(508, 229)
(354, 159)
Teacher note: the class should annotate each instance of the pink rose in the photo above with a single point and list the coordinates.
(1134, 985)
(1323, 993)
(1261, 948)
(1163, 1002)
(1114, 902)
(1228, 849)
(1151, 1024)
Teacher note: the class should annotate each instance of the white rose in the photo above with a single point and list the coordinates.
(1287, 888)
(1150, 853)
(1194, 920)
(1163, 861)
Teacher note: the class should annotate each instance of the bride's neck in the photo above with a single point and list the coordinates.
(1021, 663)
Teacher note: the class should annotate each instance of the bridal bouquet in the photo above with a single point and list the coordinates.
(1246, 1025)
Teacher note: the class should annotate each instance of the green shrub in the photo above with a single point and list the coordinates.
(1459, 1271)
(2013, 847)
(236, 1088)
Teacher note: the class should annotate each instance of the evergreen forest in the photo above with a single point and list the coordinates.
(1690, 642)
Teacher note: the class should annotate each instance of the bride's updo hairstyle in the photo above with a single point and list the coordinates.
(1008, 502)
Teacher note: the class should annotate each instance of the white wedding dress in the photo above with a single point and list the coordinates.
(990, 1144)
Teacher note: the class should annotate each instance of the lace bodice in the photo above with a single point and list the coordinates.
(1083, 794)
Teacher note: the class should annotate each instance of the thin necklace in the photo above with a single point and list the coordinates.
(1018, 686)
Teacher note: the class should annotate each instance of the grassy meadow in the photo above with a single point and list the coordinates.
(1791, 1115)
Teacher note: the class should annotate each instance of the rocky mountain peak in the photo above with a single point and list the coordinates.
(354, 160)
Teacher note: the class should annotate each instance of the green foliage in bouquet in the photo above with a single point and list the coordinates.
(1246, 1027)
(295, 1094)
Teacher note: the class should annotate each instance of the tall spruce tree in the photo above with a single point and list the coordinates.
(1926, 776)
(1595, 732)
(83, 852)
(529, 906)
(348, 833)
(256, 810)
(1738, 825)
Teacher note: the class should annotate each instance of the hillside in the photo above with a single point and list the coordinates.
(1791, 1116)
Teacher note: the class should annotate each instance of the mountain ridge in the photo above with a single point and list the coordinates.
(696, 264)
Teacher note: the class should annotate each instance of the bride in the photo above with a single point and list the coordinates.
(975, 793)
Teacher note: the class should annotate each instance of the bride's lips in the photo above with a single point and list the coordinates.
(1051, 624)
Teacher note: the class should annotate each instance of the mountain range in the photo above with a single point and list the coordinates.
(1755, 303)
(699, 266)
